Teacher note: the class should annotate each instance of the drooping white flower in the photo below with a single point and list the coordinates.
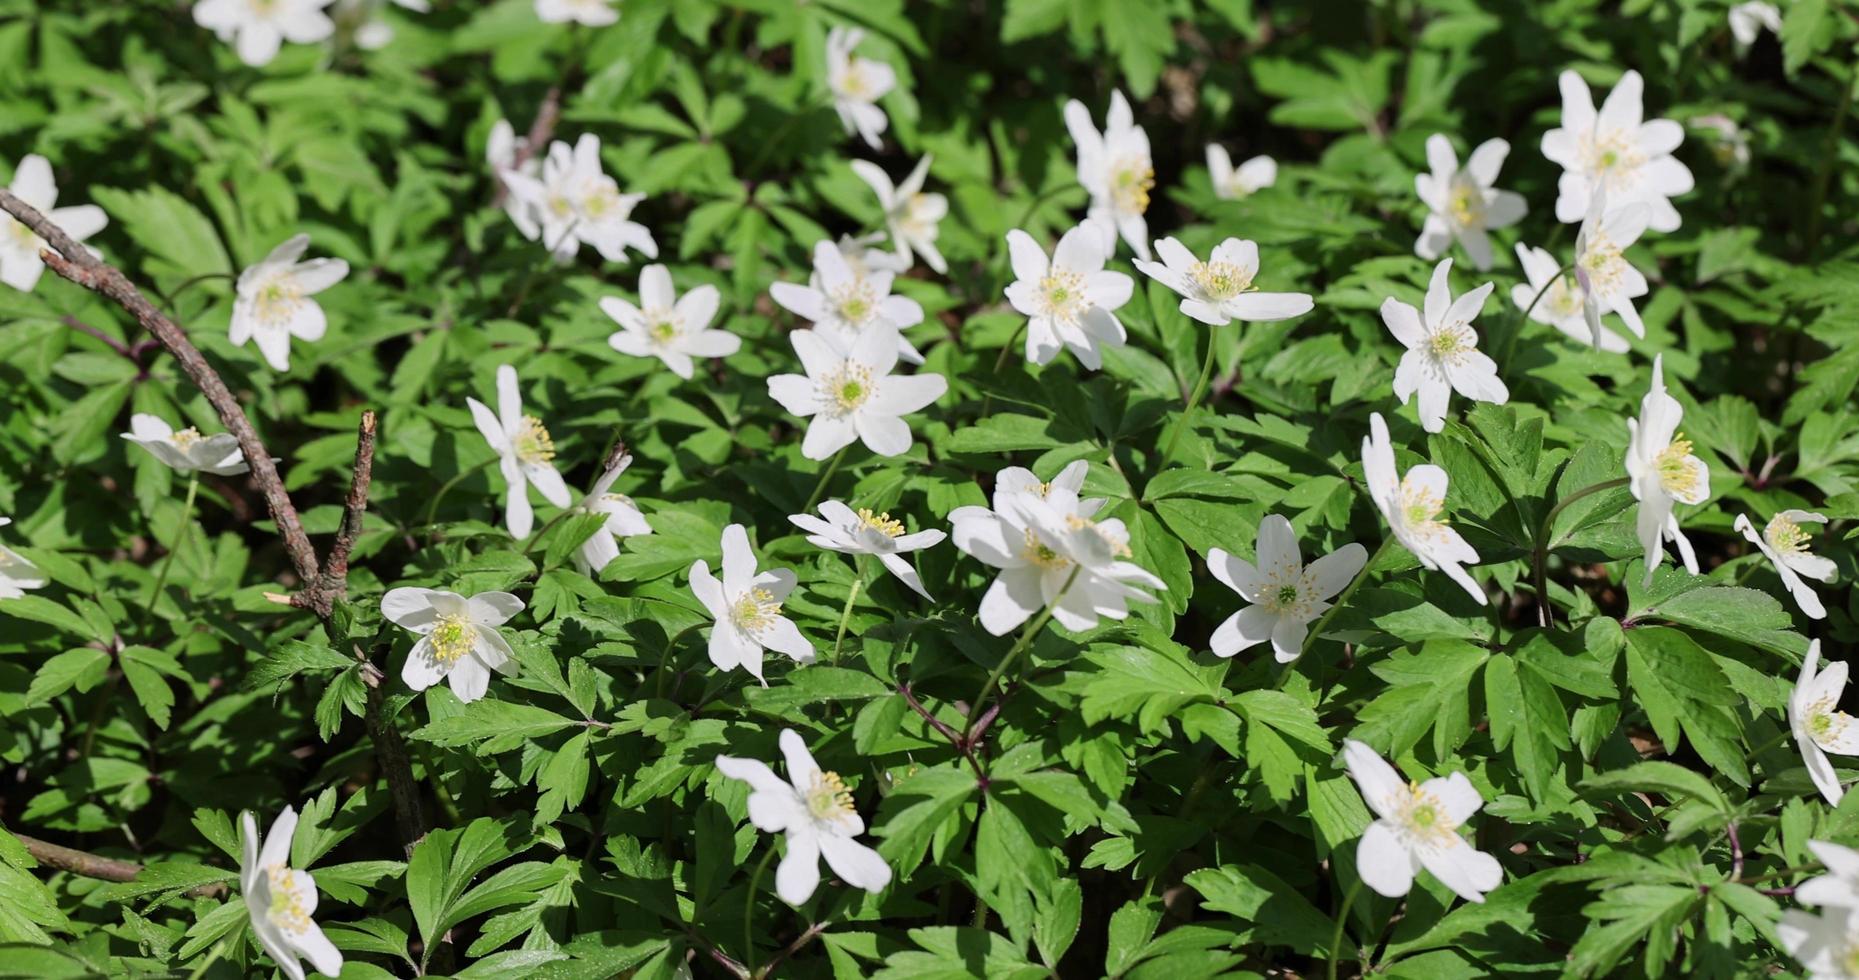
(1838, 888)
(281, 900)
(1220, 290)
(1412, 505)
(17, 573)
(1616, 151)
(458, 638)
(1784, 542)
(574, 202)
(1563, 305)
(1747, 20)
(1827, 944)
(1247, 179)
(1609, 282)
(857, 84)
(815, 811)
(1285, 594)
(842, 300)
(667, 327)
(1663, 470)
(1115, 169)
(912, 216)
(588, 13)
(1462, 201)
(853, 396)
(1417, 826)
(187, 451)
(273, 302)
(20, 265)
(524, 452)
(1070, 299)
(1818, 724)
(1442, 350)
(624, 520)
(840, 528)
(747, 608)
(256, 30)
(506, 153)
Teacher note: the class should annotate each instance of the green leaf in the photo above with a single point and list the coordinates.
(494, 726)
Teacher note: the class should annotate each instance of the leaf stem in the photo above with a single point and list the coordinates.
(845, 615)
(432, 509)
(1342, 598)
(167, 561)
(1019, 647)
(1194, 400)
(1539, 558)
(1342, 917)
(748, 909)
(820, 487)
(1000, 361)
(1510, 340)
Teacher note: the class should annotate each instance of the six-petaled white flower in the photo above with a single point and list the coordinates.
(1245, 180)
(1663, 471)
(1442, 350)
(574, 202)
(1615, 151)
(1563, 301)
(258, 28)
(857, 84)
(841, 300)
(853, 396)
(1462, 203)
(20, 264)
(1412, 505)
(273, 302)
(458, 638)
(187, 451)
(1069, 299)
(17, 573)
(664, 325)
(1115, 169)
(1220, 290)
(525, 453)
(624, 520)
(814, 809)
(587, 13)
(1747, 20)
(861, 532)
(912, 216)
(746, 605)
(1417, 826)
(281, 900)
(1818, 724)
(1609, 283)
(1285, 594)
(1784, 542)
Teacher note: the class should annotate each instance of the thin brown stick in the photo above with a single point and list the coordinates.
(96, 866)
(540, 132)
(333, 583)
(792, 948)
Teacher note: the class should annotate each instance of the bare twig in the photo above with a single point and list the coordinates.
(540, 131)
(96, 865)
(792, 948)
(333, 583)
(80, 326)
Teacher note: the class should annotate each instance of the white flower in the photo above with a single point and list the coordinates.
(273, 303)
(1442, 350)
(20, 265)
(17, 574)
(624, 520)
(187, 450)
(362, 18)
(865, 533)
(1251, 177)
(1616, 151)
(281, 900)
(524, 450)
(1463, 203)
(257, 28)
(863, 257)
(575, 202)
(814, 809)
(1784, 542)
(1818, 724)
(1068, 300)
(1608, 281)
(459, 642)
(1115, 169)
(747, 609)
(1730, 144)
(1417, 826)
(502, 149)
(1840, 888)
(841, 300)
(1826, 944)
(1285, 594)
(853, 396)
(912, 216)
(857, 85)
(1220, 290)
(1664, 471)
(671, 329)
(590, 13)
(1748, 19)
(1563, 306)
(1412, 505)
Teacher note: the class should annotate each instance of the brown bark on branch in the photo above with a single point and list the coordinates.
(540, 132)
(96, 866)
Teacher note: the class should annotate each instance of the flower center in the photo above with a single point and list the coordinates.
(1424, 819)
(856, 302)
(1466, 204)
(916, 222)
(1613, 157)
(1601, 261)
(881, 523)
(855, 82)
(23, 237)
(1219, 280)
(1063, 291)
(1419, 509)
(186, 438)
(754, 610)
(532, 441)
(1451, 344)
(277, 301)
(662, 325)
(1118, 547)
(601, 200)
(1677, 468)
(1564, 297)
(1130, 184)
(1785, 536)
(560, 206)
(847, 388)
(288, 910)
(828, 799)
(1039, 553)
(452, 637)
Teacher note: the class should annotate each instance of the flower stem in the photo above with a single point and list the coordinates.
(1342, 598)
(1342, 917)
(1000, 361)
(1194, 400)
(432, 509)
(748, 909)
(187, 519)
(820, 487)
(1019, 647)
(1539, 559)
(845, 615)
(200, 969)
(1510, 340)
(664, 659)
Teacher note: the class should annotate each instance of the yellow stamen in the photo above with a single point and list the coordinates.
(286, 910)
(828, 798)
(532, 442)
(451, 638)
(1677, 468)
(1130, 186)
(754, 610)
(882, 523)
(1786, 536)
(1219, 280)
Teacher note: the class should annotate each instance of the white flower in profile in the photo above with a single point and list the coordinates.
(1617, 152)
(1747, 20)
(746, 605)
(20, 265)
(1563, 301)
(624, 520)
(1220, 290)
(458, 638)
(1246, 180)
(1442, 350)
(363, 20)
(1115, 169)
(506, 153)
(815, 810)
(525, 453)
(1838, 888)
(1462, 201)
(273, 303)
(17, 573)
(1069, 299)
(588, 13)
(841, 300)
(1729, 143)
(1818, 724)
(668, 327)
(1412, 505)
(912, 216)
(1609, 282)
(574, 202)
(1285, 594)
(281, 900)
(857, 84)
(863, 256)
(853, 396)
(187, 451)
(840, 528)
(1827, 944)
(1784, 542)
(257, 30)
(1664, 472)
(1417, 826)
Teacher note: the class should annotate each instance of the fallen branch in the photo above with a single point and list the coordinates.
(96, 866)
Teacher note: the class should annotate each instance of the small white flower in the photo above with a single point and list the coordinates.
(857, 85)
(589, 13)
(1442, 350)
(257, 28)
(853, 396)
(362, 20)
(842, 299)
(815, 810)
(1412, 505)
(1616, 151)
(1610, 283)
(1749, 19)
(1818, 724)
(912, 216)
(1070, 299)
(1664, 471)
(1115, 169)
(187, 451)
(458, 638)
(1417, 826)
(1826, 944)
(1463, 203)
(575, 202)
(1840, 887)
(747, 608)
(502, 150)
(1249, 178)
(671, 329)
(1563, 306)
(1729, 143)
(281, 900)
(1784, 542)
(1220, 290)
(864, 257)
(17, 574)
(273, 302)
(624, 520)
(20, 265)
(1285, 594)
(524, 450)
(861, 532)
